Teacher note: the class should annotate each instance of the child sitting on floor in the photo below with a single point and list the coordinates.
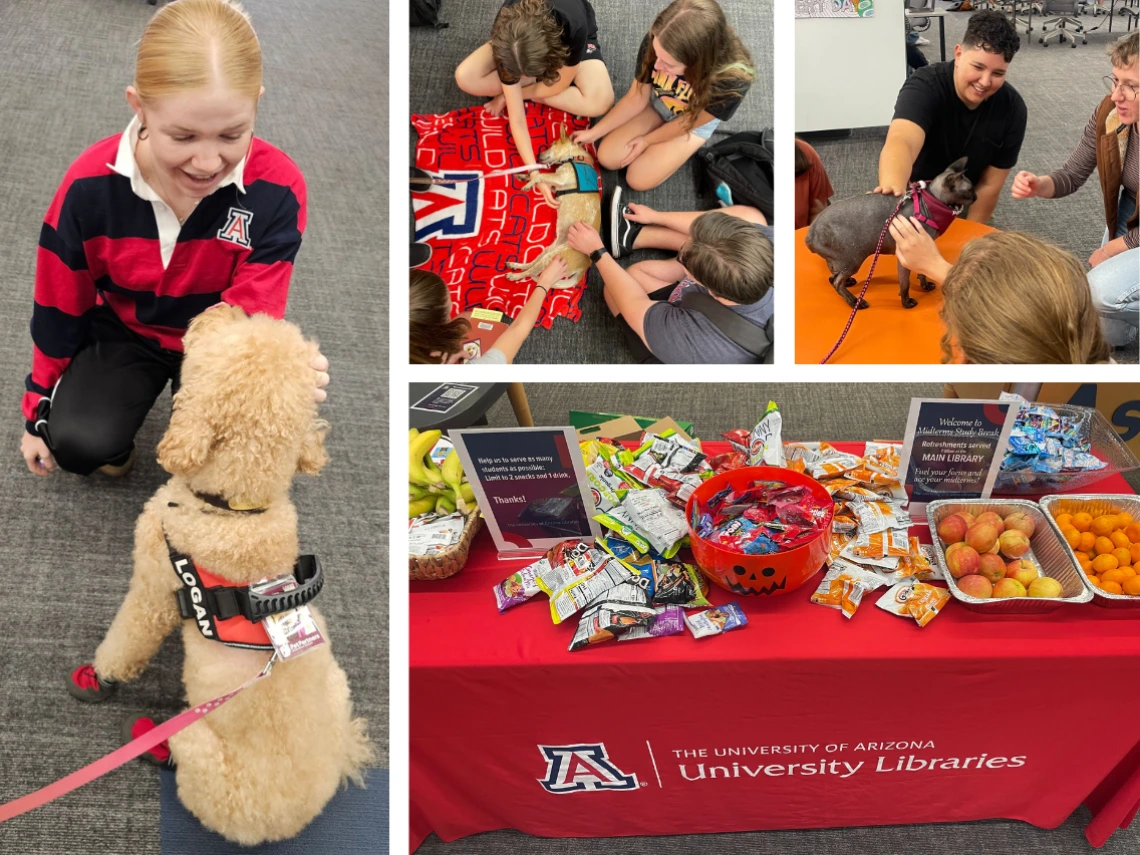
(709, 305)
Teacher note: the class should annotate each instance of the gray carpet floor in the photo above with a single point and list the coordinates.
(434, 55)
(810, 411)
(67, 541)
(1061, 85)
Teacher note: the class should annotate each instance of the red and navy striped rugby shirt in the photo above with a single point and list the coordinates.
(99, 244)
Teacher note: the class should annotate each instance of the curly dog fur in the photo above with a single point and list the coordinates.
(262, 766)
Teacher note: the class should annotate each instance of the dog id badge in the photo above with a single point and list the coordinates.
(291, 632)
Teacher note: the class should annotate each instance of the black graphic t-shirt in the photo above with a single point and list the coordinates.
(989, 135)
(578, 25)
(675, 91)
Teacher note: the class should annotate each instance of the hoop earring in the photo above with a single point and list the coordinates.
(142, 132)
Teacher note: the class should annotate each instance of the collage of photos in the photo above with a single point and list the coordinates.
(208, 645)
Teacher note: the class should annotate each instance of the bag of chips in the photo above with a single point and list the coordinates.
(619, 610)
(669, 620)
(716, 620)
(844, 585)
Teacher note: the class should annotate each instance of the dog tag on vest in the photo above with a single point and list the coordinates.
(292, 632)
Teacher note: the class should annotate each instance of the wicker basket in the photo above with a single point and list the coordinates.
(444, 564)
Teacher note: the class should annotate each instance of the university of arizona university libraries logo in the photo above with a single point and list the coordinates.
(449, 211)
(236, 229)
(581, 768)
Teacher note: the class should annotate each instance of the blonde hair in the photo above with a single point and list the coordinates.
(192, 44)
(1012, 298)
(1123, 51)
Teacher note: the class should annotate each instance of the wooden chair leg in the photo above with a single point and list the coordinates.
(517, 395)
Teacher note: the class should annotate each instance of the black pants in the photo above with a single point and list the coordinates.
(642, 355)
(104, 395)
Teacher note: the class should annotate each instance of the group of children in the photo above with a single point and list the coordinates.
(714, 302)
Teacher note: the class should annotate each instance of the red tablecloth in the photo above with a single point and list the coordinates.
(802, 719)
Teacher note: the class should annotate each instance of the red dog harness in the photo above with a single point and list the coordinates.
(929, 209)
(232, 614)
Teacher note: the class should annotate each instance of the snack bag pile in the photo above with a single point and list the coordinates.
(1046, 448)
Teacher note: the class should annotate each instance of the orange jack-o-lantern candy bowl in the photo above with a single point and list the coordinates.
(760, 575)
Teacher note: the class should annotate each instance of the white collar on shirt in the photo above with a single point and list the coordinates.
(126, 165)
(168, 225)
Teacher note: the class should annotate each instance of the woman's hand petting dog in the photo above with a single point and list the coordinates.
(889, 191)
(547, 194)
(553, 274)
(584, 136)
(584, 238)
(633, 150)
(915, 249)
(36, 455)
(320, 364)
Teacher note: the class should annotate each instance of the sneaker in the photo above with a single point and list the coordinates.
(921, 41)
(85, 685)
(624, 232)
(121, 469)
(159, 755)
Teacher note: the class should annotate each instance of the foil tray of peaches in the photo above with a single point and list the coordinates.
(1095, 505)
(1047, 552)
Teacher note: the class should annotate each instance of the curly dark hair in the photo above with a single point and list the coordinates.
(991, 31)
(526, 40)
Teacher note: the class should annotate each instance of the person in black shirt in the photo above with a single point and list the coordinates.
(962, 108)
(545, 51)
(692, 73)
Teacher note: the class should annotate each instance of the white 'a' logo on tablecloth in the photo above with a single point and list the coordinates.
(582, 768)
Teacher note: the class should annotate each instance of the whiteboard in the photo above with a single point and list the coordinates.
(849, 70)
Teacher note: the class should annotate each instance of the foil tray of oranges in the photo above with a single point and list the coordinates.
(1101, 533)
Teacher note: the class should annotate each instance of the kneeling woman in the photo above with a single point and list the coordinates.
(692, 73)
(150, 227)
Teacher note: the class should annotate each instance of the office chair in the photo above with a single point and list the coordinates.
(1066, 25)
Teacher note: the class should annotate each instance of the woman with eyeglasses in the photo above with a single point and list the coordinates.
(1109, 145)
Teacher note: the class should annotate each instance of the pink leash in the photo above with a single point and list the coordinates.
(870, 273)
(124, 754)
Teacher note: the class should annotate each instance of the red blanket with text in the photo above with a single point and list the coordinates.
(475, 227)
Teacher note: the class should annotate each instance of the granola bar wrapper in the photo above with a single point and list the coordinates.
(715, 621)
(844, 585)
(520, 586)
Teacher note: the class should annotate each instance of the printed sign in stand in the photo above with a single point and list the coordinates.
(530, 484)
(953, 449)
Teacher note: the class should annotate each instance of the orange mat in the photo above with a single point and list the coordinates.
(886, 333)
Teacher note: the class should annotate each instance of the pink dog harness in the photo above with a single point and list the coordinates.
(929, 209)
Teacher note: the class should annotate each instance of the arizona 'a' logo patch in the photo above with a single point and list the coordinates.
(236, 229)
(449, 211)
(582, 768)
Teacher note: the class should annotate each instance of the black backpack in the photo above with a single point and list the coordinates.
(425, 13)
(743, 161)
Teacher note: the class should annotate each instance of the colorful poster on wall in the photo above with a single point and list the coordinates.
(835, 8)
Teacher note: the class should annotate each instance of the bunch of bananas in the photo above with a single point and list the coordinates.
(443, 489)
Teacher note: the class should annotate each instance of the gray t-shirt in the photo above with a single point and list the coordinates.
(677, 335)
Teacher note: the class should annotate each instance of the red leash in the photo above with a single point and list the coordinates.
(870, 273)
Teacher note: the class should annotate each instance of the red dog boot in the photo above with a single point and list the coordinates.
(159, 755)
(85, 685)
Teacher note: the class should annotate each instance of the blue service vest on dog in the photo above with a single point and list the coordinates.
(587, 180)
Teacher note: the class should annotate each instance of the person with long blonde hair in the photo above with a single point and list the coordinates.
(183, 210)
(692, 73)
(1010, 299)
